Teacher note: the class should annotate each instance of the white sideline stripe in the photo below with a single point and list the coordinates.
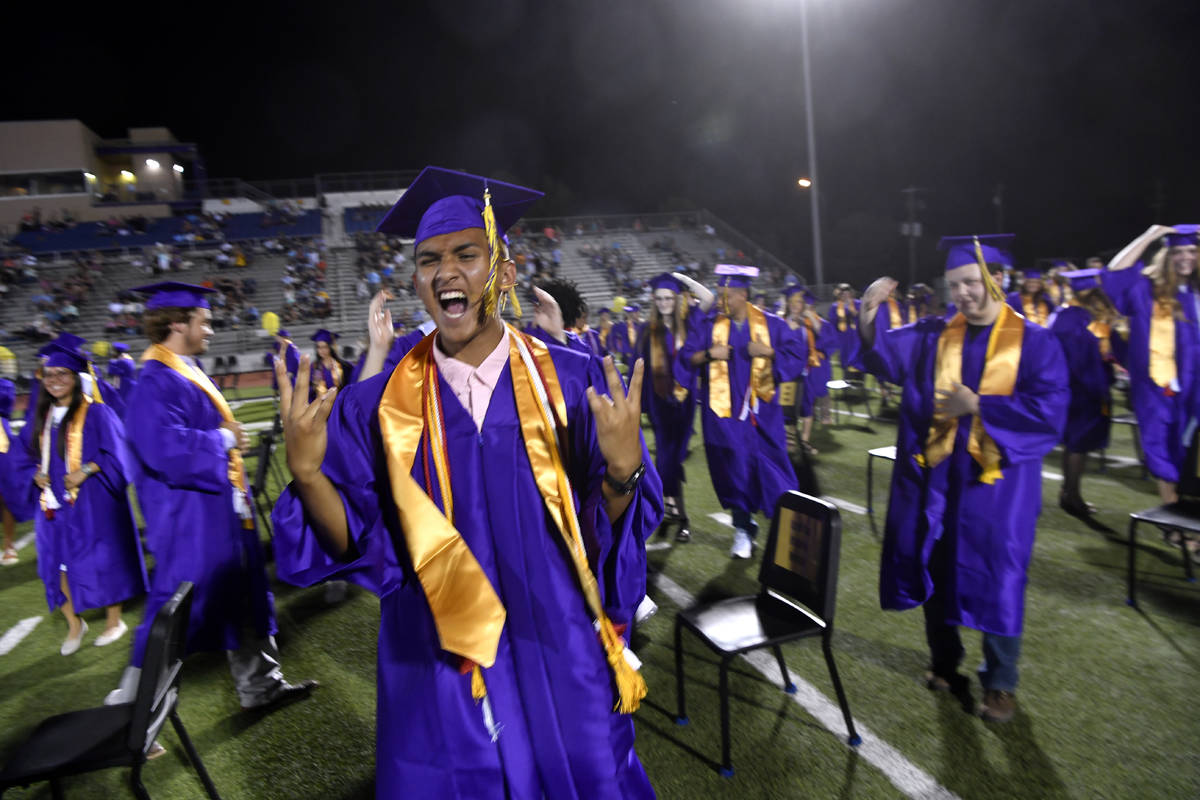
(13, 636)
(657, 546)
(722, 517)
(24, 541)
(905, 775)
(846, 505)
(1051, 476)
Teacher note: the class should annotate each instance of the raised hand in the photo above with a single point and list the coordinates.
(304, 423)
(618, 420)
(379, 322)
(548, 316)
(876, 294)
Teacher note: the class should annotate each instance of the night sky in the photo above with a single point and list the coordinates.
(1085, 110)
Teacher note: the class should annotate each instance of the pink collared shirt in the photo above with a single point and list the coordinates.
(473, 386)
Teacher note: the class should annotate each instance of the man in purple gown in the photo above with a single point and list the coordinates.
(743, 354)
(498, 503)
(984, 400)
(191, 486)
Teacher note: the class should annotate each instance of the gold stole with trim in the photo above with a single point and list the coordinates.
(467, 611)
(172, 360)
(1163, 370)
(74, 434)
(661, 373)
(762, 381)
(1000, 366)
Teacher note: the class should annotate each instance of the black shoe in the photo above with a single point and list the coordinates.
(683, 535)
(286, 693)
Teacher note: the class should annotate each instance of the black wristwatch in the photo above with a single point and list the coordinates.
(628, 486)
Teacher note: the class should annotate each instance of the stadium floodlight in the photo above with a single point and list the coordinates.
(151, 163)
(89, 176)
(126, 175)
(178, 168)
(804, 183)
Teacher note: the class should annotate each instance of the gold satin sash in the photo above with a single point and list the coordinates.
(841, 316)
(894, 313)
(467, 611)
(762, 381)
(661, 373)
(1102, 331)
(814, 355)
(172, 360)
(1035, 311)
(912, 314)
(999, 378)
(1163, 370)
(74, 434)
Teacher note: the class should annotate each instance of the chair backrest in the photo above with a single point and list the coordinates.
(158, 687)
(801, 557)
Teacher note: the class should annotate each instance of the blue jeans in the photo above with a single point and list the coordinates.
(744, 520)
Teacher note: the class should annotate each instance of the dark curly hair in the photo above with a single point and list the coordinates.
(567, 295)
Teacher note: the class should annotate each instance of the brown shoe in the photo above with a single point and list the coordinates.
(998, 705)
(956, 684)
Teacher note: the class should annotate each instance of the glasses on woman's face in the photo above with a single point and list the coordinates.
(57, 374)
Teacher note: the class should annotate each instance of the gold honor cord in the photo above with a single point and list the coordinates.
(999, 378)
(762, 381)
(1163, 369)
(171, 359)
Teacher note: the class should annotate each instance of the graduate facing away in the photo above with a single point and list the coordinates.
(495, 492)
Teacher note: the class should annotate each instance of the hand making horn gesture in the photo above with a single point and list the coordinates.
(304, 423)
(618, 421)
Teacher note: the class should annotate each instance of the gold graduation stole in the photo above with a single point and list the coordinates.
(814, 355)
(1102, 331)
(74, 434)
(999, 378)
(4, 443)
(96, 397)
(762, 382)
(1035, 311)
(467, 612)
(603, 333)
(840, 310)
(171, 359)
(1163, 369)
(335, 372)
(631, 334)
(912, 314)
(894, 313)
(660, 368)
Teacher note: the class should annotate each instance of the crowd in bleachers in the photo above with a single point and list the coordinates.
(305, 295)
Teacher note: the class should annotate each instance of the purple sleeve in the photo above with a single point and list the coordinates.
(890, 360)
(791, 350)
(1129, 290)
(1027, 424)
(175, 453)
(104, 444)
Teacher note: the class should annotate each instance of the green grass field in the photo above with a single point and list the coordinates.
(1107, 698)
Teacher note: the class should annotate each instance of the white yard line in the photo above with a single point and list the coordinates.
(13, 636)
(24, 541)
(905, 775)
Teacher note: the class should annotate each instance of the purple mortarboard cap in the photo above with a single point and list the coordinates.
(1184, 235)
(65, 355)
(283, 333)
(120, 347)
(1083, 278)
(66, 340)
(666, 281)
(173, 294)
(323, 335)
(809, 297)
(444, 201)
(605, 310)
(1031, 274)
(960, 250)
(8, 393)
(632, 308)
(735, 275)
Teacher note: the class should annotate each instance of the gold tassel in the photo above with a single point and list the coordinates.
(95, 385)
(995, 291)
(516, 304)
(631, 686)
(478, 687)
(491, 289)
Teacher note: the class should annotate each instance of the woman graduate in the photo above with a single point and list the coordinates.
(89, 555)
(819, 334)
(122, 371)
(328, 371)
(498, 503)
(1162, 302)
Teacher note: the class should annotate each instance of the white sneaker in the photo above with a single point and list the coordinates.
(743, 545)
(112, 634)
(645, 610)
(72, 643)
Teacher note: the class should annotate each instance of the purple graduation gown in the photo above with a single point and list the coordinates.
(192, 529)
(988, 530)
(620, 343)
(96, 537)
(16, 476)
(1088, 419)
(550, 689)
(1163, 418)
(846, 333)
(400, 347)
(670, 418)
(748, 459)
(125, 369)
(816, 378)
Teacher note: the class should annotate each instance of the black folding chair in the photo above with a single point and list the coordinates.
(117, 735)
(1183, 518)
(797, 597)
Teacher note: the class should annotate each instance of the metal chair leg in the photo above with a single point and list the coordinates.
(193, 756)
(726, 763)
(681, 717)
(135, 782)
(870, 485)
(827, 648)
(1130, 597)
(788, 686)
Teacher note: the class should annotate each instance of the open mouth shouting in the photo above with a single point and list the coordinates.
(453, 302)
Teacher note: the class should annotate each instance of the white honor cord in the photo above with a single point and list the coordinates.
(490, 721)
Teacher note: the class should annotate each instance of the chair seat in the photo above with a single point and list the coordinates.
(747, 623)
(1185, 516)
(888, 452)
(90, 739)
(837, 384)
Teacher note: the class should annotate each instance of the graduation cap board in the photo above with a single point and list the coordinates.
(735, 275)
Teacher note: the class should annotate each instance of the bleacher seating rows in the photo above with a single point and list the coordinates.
(97, 236)
(361, 219)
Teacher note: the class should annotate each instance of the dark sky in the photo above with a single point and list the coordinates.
(1085, 110)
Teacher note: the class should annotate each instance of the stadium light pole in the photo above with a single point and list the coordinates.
(814, 187)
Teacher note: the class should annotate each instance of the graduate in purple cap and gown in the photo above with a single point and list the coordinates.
(122, 371)
(97, 388)
(1085, 329)
(1162, 302)
(843, 316)
(820, 339)
(193, 491)
(743, 354)
(15, 499)
(624, 336)
(286, 350)
(76, 467)
(571, 306)
(967, 486)
(1031, 299)
(669, 396)
(328, 369)
(505, 572)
